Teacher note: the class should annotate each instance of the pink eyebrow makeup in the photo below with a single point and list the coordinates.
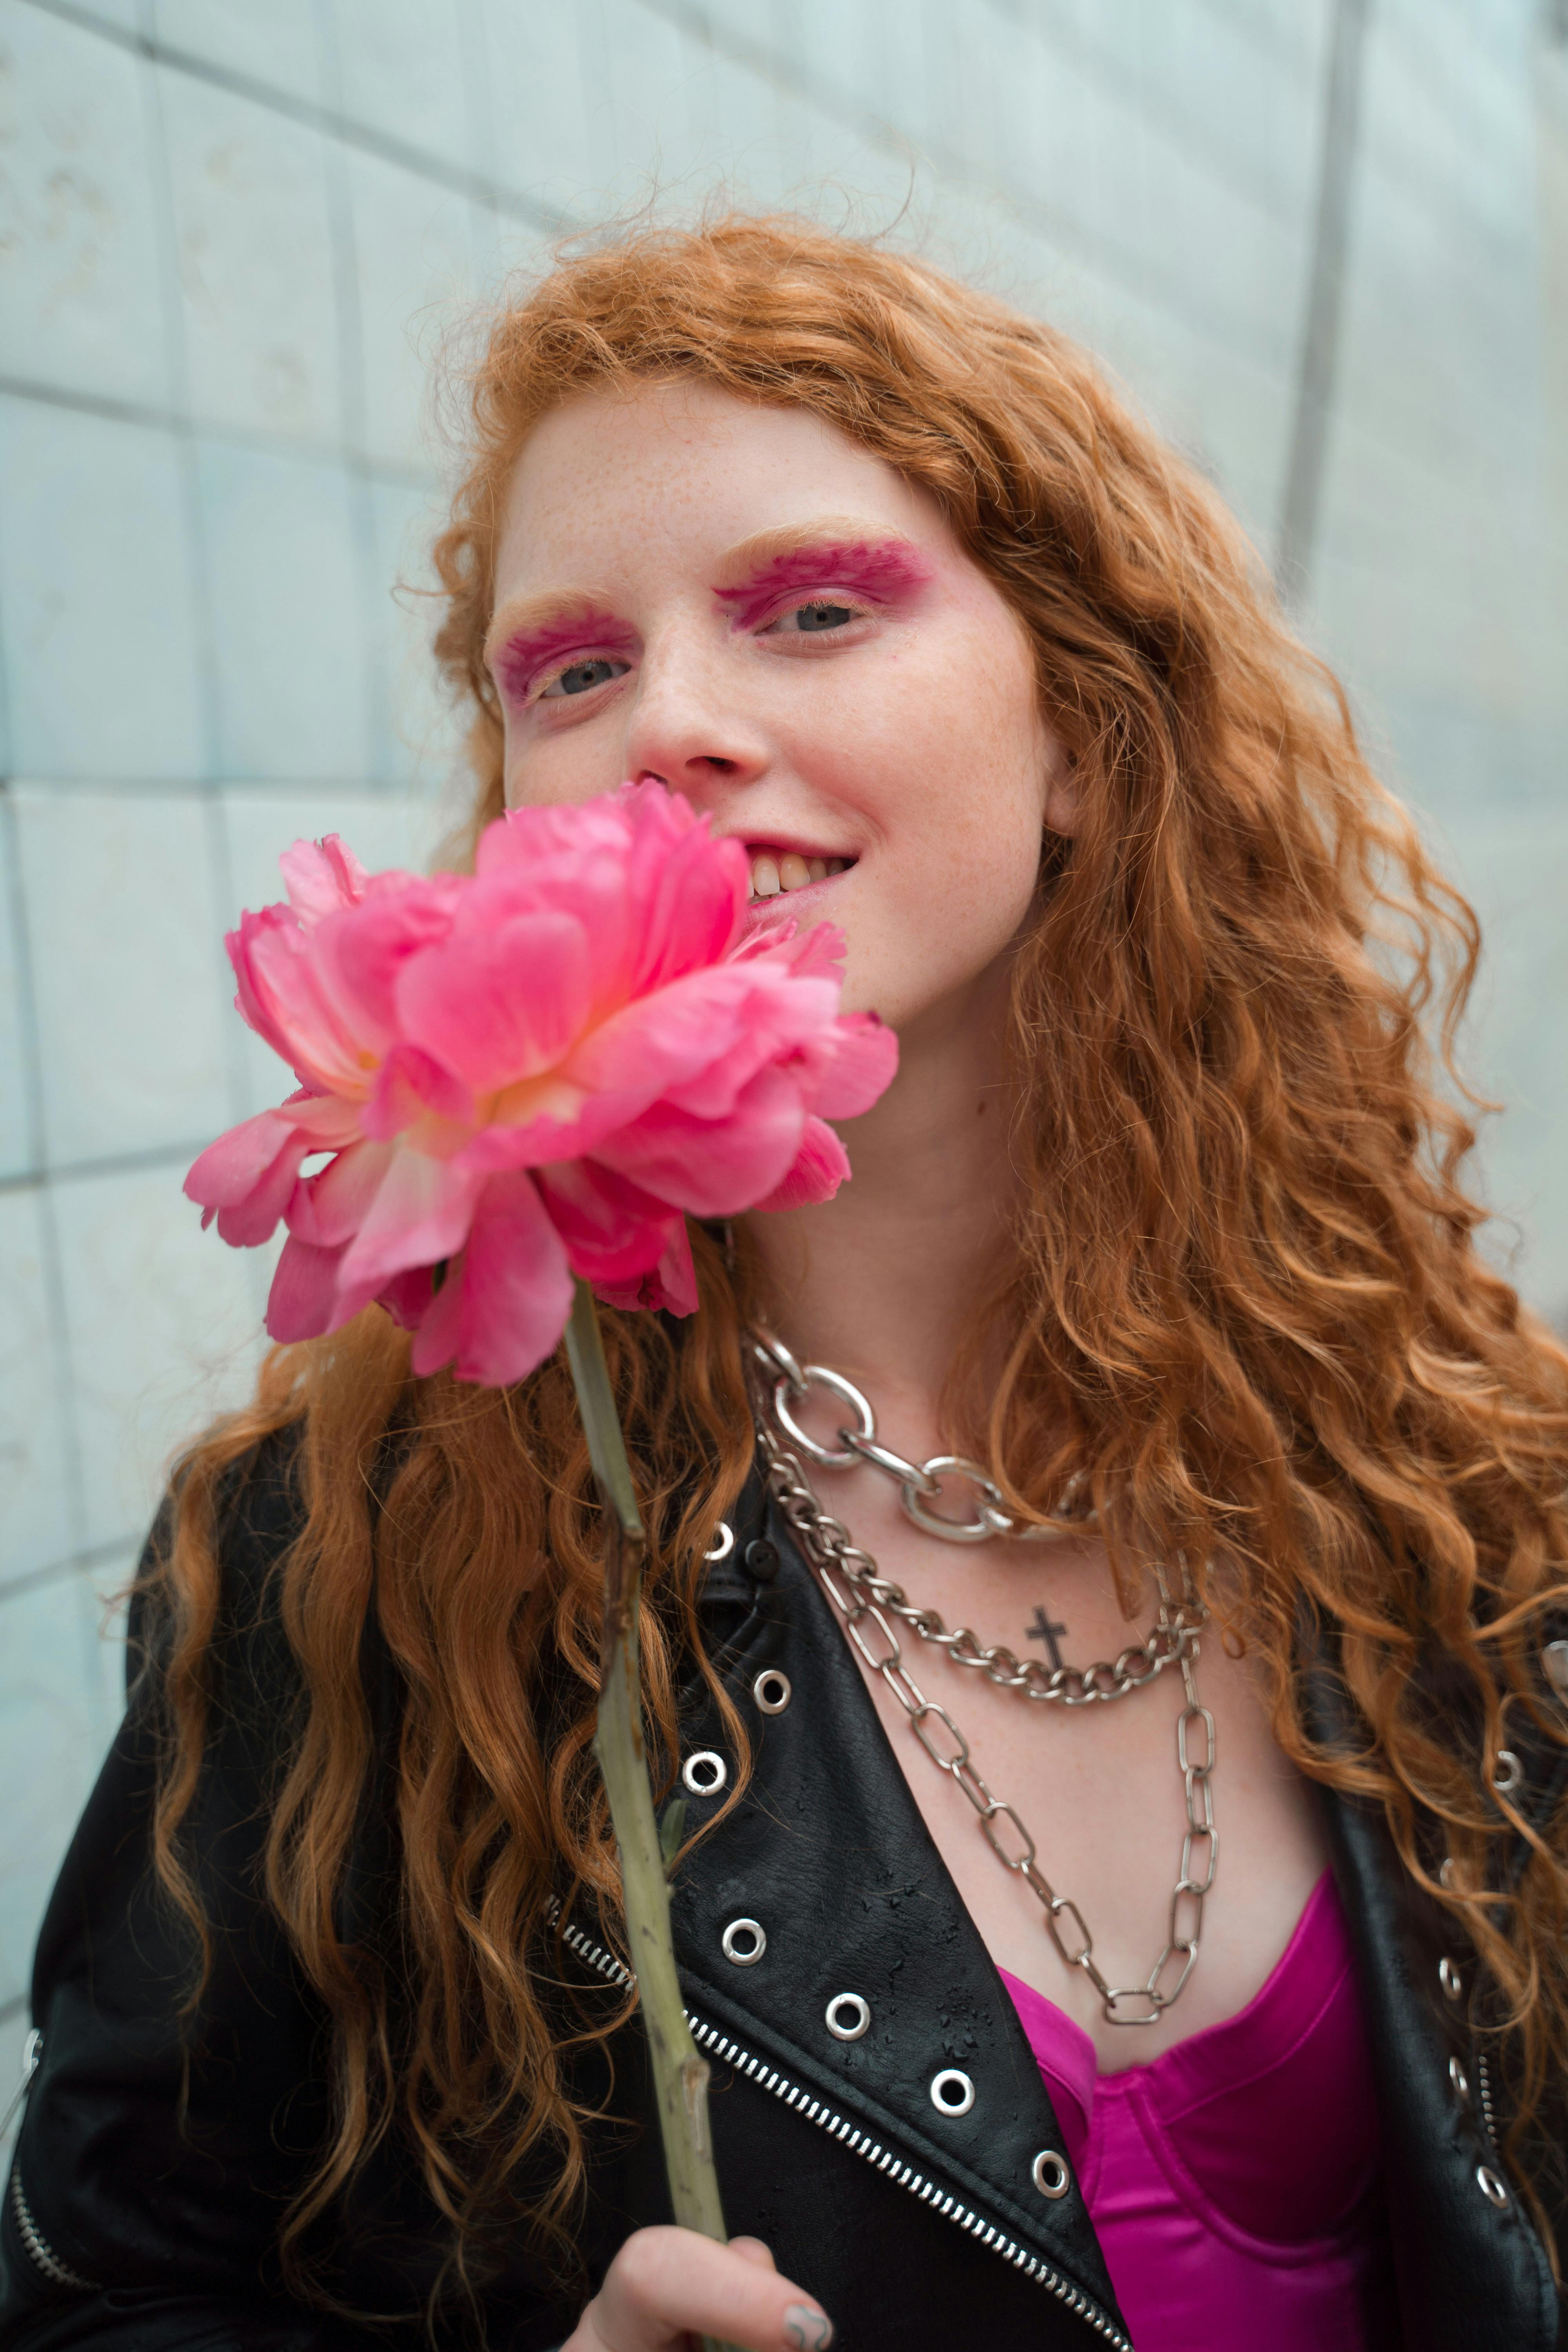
(520, 659)
(886, 572)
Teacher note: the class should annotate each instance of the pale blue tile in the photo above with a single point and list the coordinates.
(401, 70)
(508, 256)
(278, 45)
(164, 1332)
(420, 728)
(126, 971)
(18, 1144)
(253, 243)
(531, 73)
(79, 295)
(54, 1729)
(36, 1523)
(96, 596)
(643, 139)
(288, 616)
(1513, 866)
(414, 248)
(126, 15)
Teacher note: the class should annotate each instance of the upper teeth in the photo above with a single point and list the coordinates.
(770, 874)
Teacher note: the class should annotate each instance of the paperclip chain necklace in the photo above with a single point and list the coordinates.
(849, 1578)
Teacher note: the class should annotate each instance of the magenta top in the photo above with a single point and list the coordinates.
(1232, 2180)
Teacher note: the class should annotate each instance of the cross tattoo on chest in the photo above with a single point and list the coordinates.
(1042, 1629)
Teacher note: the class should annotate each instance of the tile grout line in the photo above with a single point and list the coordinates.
(198, 554)
(352, 398)
(239, 437)
(57, 1341)
(74, 1563)
(116, 1164)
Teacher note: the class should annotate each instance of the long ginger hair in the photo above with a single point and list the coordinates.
(1243, 1298)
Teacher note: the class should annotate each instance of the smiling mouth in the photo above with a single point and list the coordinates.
(776, 872)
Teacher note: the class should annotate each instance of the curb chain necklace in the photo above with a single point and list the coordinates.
(862, 1599)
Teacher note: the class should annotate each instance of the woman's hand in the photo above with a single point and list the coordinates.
(668, 2284)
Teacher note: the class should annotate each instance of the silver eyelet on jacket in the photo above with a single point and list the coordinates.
(1051, 2175)
(1494, 2191)
(848, 2016)
(723, 1542)
(772, 1691)
(744, 1942)
(1554, 1658)
(1509, 1773)
(951, 2092)
(1460, 2080)
(705, 1773)
(1448, 1977)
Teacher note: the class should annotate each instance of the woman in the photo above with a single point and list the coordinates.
(1160, 1222)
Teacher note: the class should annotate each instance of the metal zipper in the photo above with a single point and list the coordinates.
(859, 2143)
(1483, 2075)
(39, 2251)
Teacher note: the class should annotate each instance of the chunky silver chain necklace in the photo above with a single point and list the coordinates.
(865, 1602)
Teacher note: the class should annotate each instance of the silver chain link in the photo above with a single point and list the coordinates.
(919, 1483)
(863, 1599)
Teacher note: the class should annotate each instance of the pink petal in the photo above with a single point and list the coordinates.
(858, 1061)
(502, 1309)
(407, 1296)
(327, 1209)
(819, 955)
(614, 1232)
(497, 1006)
(419, 1214)
(248, 1176)
(280, 995)
(330, 1123)
(320, 876)
(303, 1300)
(413, 1087)
(715, 1167)
(359, 954)
(710, 1032)
(820, 1166)
(687, 891)
(671, 1287)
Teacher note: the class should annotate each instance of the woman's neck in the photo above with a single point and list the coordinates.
(881, 1282)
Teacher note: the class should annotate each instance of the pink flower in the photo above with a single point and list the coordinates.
(529, 1073)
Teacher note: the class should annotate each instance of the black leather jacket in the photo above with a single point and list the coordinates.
(145, 2199)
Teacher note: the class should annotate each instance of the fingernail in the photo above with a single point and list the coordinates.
(805, 2330)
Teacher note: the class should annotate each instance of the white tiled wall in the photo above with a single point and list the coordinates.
(234, 235)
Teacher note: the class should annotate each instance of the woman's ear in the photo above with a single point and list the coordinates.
(1061, 811)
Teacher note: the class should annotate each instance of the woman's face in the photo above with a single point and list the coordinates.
(739, 601)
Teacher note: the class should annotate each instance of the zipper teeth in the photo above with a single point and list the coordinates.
(1484, 2072)
(861, 2144)
(40, 2252)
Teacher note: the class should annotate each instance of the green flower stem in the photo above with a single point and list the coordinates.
(681, 2076)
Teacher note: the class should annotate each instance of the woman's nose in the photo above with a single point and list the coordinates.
(687, 726)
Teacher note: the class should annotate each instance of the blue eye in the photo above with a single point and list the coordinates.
(814, 620)
(583, 676)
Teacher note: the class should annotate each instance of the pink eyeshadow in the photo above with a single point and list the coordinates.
(884, 573)
(520, 661)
